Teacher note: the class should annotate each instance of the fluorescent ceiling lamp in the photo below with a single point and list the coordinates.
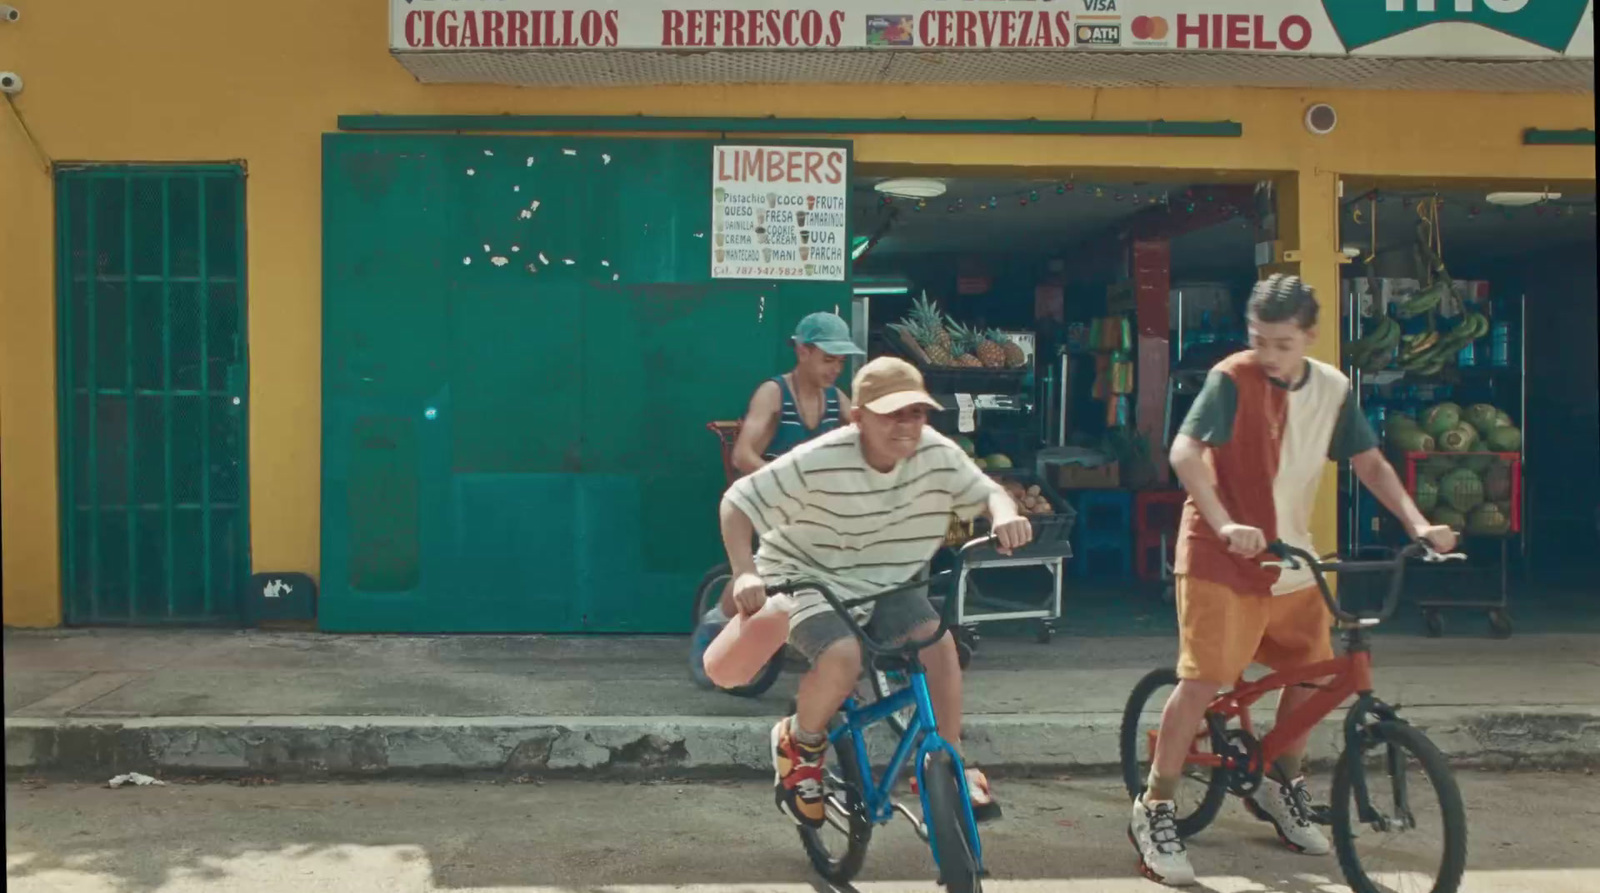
(911, 187)
(881, 290)
(1520, 199)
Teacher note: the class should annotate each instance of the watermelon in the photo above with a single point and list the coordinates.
(1437, 466)
(1477, 462)
(1449, 517)
(1459, 439)
(1497, 482)
(1427, 495)
(1439, 419)
(1461, 490)
(1481, 416)
(1505, 440)
(1488, 520)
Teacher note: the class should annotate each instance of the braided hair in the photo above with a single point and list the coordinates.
(1281, 298)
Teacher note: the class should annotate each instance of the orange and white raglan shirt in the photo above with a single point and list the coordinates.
(1269, 440)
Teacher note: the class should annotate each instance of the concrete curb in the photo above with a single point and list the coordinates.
(300, 747)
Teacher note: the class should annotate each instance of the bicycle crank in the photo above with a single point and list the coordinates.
(1241, 756)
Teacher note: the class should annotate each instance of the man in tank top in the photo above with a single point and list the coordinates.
(784, 412)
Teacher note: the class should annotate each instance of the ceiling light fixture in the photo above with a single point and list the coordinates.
(911, 187)
(1520, 199)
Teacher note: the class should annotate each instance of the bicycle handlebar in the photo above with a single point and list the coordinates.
(842, 606)
(1293, 558)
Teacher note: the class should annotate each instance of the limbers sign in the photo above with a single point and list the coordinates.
(1451, 29)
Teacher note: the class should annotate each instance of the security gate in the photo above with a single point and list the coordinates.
(151, 325)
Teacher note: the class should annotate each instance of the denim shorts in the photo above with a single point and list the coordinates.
(893, 619)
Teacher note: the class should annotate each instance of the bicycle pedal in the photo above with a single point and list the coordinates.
(1321, 814)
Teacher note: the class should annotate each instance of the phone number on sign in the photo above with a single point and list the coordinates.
(761, 272)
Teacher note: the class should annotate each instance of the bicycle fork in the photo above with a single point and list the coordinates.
(1356, 723)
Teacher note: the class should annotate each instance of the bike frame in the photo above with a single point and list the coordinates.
(1351, 674)
(922, 736)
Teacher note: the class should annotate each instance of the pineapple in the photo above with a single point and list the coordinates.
(1013, 352)
(928, 316)
(992, 350)
(965, 344)
(937, 354)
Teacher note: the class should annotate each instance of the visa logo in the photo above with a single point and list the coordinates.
(1099, 5)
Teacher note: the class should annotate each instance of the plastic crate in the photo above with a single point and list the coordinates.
(1437, 465)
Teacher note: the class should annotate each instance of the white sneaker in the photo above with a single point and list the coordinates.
(1288, 808)
(1162, 855)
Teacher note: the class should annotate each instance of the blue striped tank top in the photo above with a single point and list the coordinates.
(792, 430)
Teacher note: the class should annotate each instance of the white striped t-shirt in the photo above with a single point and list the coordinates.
(825, 515)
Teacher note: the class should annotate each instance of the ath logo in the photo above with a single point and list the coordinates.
(1099, 5)
(1549, 23)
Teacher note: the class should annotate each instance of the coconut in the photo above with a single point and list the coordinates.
(1439, 419)
(1458, 439)
(1505, 440)
(1481, 416)
(1497, 482)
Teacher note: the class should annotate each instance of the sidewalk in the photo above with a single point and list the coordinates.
(91, 703)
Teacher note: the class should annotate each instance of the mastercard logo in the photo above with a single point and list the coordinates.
(1149, 28)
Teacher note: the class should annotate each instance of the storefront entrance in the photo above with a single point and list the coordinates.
(523, 343)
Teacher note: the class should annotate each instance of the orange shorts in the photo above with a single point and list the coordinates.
(1221, 632)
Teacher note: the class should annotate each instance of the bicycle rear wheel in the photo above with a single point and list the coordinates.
(839, 848)
(706, 597)
(1420, 820)
(1198, 801)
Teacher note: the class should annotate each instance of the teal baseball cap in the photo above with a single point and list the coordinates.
(829, 334)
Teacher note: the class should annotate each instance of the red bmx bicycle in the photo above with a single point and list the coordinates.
(1394, 796)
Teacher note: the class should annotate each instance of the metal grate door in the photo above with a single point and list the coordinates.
(152, 353)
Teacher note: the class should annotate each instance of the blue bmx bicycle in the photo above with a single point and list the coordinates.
(855, 800)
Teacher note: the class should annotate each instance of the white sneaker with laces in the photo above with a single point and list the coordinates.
(1287, 807)
(1162, 856)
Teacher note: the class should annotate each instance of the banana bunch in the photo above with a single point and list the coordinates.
(1423, 301)
(1374, 350)
(1426, 353)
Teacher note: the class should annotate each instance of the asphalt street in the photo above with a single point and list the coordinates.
(1529, 832)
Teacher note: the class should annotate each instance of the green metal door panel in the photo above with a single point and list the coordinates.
(539, 309)
(153, 382)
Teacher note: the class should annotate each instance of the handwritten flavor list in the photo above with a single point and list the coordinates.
(779, 213)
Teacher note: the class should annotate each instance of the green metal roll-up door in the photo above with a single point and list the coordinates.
(152, 354)
(522, 345)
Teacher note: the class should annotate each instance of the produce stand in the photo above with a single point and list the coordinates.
(986, 397)
(1050, 550)
(1436, 366)
(1509, 467)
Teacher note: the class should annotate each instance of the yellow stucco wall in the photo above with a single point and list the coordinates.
(166, 80)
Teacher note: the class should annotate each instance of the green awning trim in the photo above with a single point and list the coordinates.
(1534, 136)
(655, 124)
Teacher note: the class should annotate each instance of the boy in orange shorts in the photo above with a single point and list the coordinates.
(1250, 454)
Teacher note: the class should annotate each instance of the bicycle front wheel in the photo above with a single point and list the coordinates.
(947, 829)
(1203, 789)
(1416, 840)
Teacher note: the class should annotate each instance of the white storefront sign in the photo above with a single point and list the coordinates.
(1448, 29)
(778, 212)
